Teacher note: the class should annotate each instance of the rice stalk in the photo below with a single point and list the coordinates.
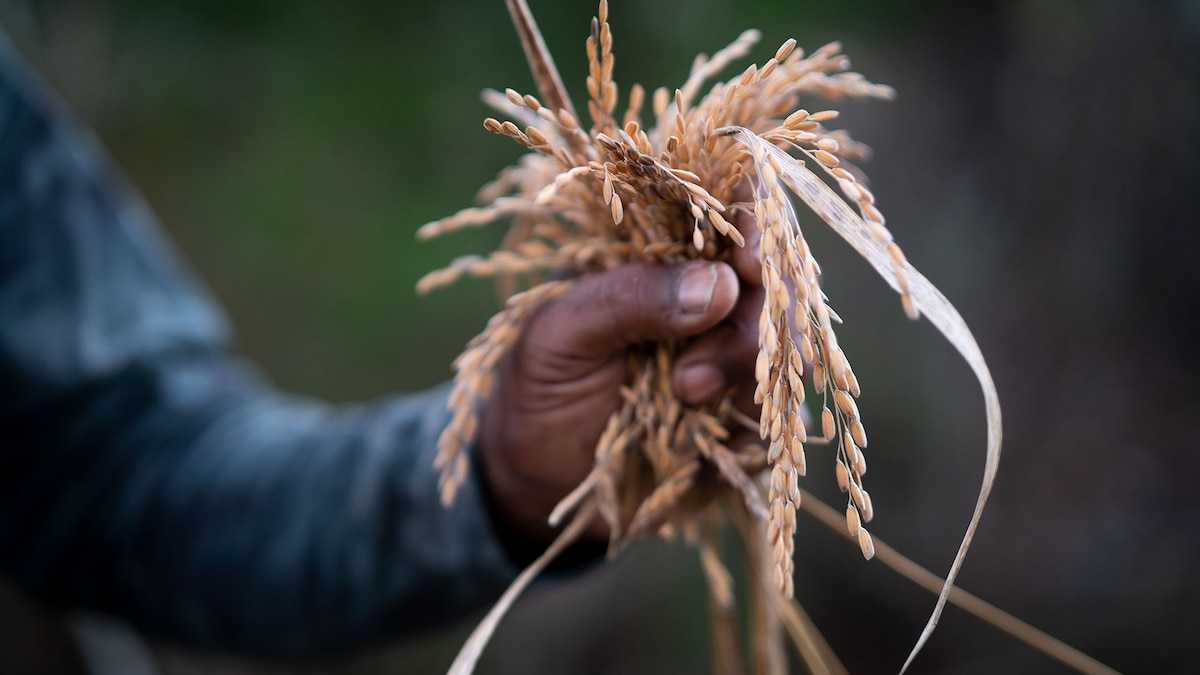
(973, 604)
(662, 186)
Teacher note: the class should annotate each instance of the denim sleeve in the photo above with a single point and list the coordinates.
(147, 470)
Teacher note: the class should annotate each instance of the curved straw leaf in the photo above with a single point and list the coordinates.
(972, 604)
(925, 296)
(472, 649)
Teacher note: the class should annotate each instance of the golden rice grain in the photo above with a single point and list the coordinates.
(865, 543)
(844, 175)
(845, 403)
(859, 433)
(785, 49)
(618, 211)
(850, 448)
(818, 378)
(868, 509)
(767, 69)
(536, 136)
(852, 521)
(880, 232)
(827, 158)
(856, 494)
(870, 213)
(827, 425)
(852, 385)
(910, 307)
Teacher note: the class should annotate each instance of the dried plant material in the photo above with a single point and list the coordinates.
(469, 655)
(976, 606)
(918, 296)
(816, 653)
(473, 382)
(663, 187)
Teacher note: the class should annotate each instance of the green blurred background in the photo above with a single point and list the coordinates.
(1039, 165)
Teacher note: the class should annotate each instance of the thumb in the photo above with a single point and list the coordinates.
(606, 312)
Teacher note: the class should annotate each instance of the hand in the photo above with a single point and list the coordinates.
(560, 384)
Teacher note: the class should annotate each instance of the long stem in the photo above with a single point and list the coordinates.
(728, 654)
(1039, 640)
(468, 656)
(549, 83)
(817, 653)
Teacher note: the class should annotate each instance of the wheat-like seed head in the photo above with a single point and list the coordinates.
(623, 192)
(662, 186)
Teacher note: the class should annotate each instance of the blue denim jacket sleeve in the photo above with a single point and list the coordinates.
(147, 470)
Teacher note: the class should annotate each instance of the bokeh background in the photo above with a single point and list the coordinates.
(1040, 165)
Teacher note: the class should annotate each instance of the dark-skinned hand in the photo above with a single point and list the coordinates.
(560, 384)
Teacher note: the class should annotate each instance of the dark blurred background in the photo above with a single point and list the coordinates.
(1039, 165)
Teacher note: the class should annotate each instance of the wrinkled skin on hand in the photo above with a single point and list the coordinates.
(561, 382)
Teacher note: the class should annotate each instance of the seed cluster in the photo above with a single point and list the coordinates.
(662, 186)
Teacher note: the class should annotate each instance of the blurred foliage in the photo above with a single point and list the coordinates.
(292, 148)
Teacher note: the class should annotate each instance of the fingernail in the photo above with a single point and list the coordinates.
(696, 288)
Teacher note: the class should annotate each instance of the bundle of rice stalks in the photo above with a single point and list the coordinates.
(662, 186)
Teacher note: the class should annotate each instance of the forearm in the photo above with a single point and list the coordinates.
(211, 509)
(146, 470)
